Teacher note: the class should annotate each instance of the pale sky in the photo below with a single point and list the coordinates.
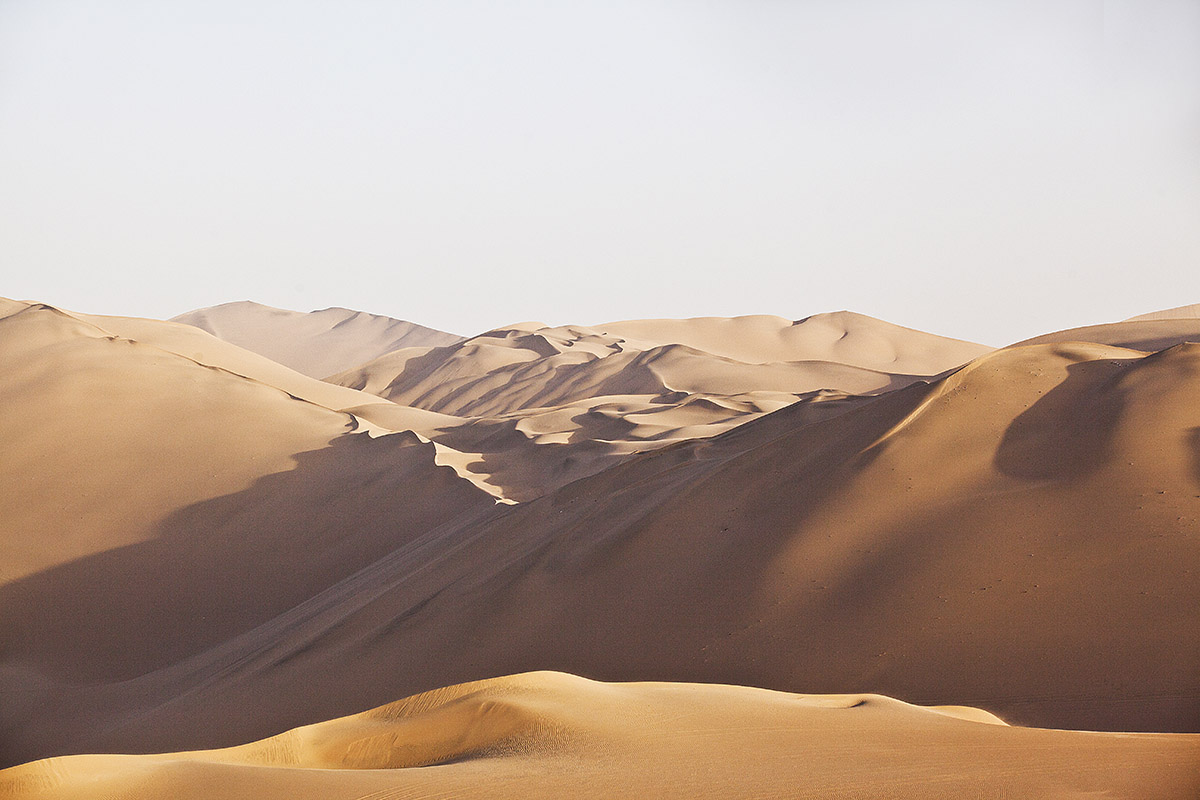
(990, 169)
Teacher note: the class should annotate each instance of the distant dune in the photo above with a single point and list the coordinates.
(203, 547)
(841, 338)
(1180, 312)
(553, 735)
(316, 343)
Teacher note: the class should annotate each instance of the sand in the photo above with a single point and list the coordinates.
(554, 735)
(204, 548)
(317, 343)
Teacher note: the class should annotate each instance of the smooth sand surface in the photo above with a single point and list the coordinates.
(1150, 335)
(554, 735)
(1179, 312)
(316, 343)
(203, 548)
(842, 337)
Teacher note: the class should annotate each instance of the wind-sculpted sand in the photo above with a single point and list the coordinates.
(203, 548)
(554, 735)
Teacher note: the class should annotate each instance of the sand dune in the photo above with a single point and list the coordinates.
(316, 343)
(583, 400)
(120, 457)
(1149, 335)
(555, 735)
(1180, 312)
(841, 338)
(531, 366)
(204, 548)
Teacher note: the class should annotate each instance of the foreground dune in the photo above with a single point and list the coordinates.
(555, 735)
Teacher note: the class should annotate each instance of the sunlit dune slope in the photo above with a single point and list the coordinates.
(531, 366)
(316, 343)
(1179, 312)
(1150, 335)
(841, 337)
(556, 735)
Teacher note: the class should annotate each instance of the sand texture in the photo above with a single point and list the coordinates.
(202, 548)
(554, 735)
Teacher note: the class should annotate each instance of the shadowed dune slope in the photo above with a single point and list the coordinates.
(155, 506)
(1017, 536)
(556, 735)
(316, 343)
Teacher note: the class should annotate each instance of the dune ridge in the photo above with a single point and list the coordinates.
(316, 343)
(203, 548)
(555, 735)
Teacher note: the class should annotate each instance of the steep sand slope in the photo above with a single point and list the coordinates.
(316, 343)
(154, 506)
(1018, 536)
(554, 735)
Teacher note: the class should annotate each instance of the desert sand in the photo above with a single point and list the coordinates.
(554, 735)
(204, 547)
(316, 344)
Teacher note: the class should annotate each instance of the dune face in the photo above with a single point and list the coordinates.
(203, 548)
(842, 338)
(316, 343)
(1180, 312)
(532, 366)
(158, 505)
(555, 735)
(551, 405)
(1150, 335)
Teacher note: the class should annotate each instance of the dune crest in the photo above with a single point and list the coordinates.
(550, 734)
(203, 547)
(315, 343)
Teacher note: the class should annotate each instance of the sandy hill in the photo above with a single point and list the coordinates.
(316, 343)
(554, 735)
(204, 548)
(841, 337)
(551, 405)
(125, 461)
(1035, 572)
(1149, 332)
(531, 365)
(1180, 312)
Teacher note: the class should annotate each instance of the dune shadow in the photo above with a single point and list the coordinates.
(1067, 433)
(225, 565)
(1192, 439)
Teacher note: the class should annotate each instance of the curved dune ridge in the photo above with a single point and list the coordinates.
(1179, 312)
(202, 547)
(551, 734)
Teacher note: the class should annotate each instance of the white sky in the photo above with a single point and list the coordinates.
(990, 169)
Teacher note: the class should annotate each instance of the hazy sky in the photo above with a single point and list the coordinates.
(984, 169)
